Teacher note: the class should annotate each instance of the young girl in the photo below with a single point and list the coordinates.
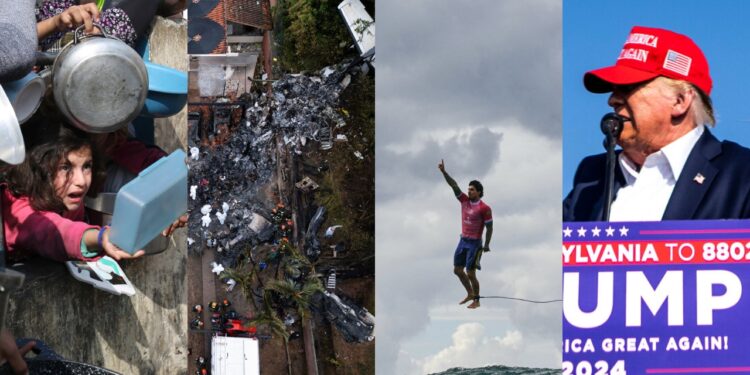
(43, 203)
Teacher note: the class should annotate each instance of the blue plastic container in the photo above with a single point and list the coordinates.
(149, 203)
(167, 91)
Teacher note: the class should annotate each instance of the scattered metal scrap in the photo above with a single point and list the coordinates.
(302, 108)
(306, 184)
(355, 323)
(312, 243)
(227, 174)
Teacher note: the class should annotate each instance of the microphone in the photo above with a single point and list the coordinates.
(612, 124)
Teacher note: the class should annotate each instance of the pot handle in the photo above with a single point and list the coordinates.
(79, 29)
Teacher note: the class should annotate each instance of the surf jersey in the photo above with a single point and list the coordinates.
(474, 216)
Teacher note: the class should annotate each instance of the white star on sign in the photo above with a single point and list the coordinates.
(567, 231)
(596, 231)
(610, 231)
(623, 231)
(581, 232)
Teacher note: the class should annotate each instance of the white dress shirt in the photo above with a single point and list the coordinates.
(646, 192)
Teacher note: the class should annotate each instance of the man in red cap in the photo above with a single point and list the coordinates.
(671, 167)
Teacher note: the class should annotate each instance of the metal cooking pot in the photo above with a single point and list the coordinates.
(99, 82)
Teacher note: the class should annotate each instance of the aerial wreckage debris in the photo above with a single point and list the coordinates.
(228, 210)
(307, 184)
(302, 108)
(355, 323)
(312, 243)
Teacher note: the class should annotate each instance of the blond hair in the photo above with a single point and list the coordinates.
(701, 108)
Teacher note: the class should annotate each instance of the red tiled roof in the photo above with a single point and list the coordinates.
(217, 15)
(255, 13)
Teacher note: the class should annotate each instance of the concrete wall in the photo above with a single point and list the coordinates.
(169, 47)
(143, 334)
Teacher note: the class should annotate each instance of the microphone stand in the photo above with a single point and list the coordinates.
(611, 126)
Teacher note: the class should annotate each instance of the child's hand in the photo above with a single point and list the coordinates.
(115, 252)
(77, 15)
(179, 223)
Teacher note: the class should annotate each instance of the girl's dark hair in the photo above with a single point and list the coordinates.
(35, 177)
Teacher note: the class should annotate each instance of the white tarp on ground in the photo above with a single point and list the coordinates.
(234, 356)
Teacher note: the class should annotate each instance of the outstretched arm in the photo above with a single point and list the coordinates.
(451, 182)
(488, 236)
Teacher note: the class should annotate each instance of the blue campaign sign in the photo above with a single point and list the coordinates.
(656, 297)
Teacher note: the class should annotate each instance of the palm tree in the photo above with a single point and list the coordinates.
(299, 294)
(301, 297)
(269, 318)
(244, 274)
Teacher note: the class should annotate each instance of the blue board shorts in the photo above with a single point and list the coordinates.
(466, 253)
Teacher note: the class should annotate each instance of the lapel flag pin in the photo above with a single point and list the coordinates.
(699, 179)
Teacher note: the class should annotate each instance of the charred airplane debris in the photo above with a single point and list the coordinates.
(355, 323)
(233, 157)
(312, 243)
(307, 184)
(302, 108)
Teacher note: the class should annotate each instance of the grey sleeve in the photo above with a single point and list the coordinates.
(18, 40)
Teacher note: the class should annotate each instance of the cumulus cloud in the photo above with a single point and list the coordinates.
(417, 230)
(471, 347)
(468, 153)
(447, 64)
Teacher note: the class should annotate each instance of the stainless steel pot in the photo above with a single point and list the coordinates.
(99, 82)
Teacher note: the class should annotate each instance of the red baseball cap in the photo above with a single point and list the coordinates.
(649, 53)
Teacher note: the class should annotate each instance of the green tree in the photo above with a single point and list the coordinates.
(312, 34)
(269, 319)
(244, 274)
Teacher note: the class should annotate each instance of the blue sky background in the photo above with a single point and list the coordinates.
(593, 34)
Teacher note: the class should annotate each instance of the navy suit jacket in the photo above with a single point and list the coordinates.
(723, 193)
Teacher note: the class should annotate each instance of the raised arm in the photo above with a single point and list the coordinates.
(451, 182)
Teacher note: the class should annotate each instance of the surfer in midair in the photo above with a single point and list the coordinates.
(475, 216)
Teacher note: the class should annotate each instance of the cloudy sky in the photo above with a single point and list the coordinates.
(477, 84)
